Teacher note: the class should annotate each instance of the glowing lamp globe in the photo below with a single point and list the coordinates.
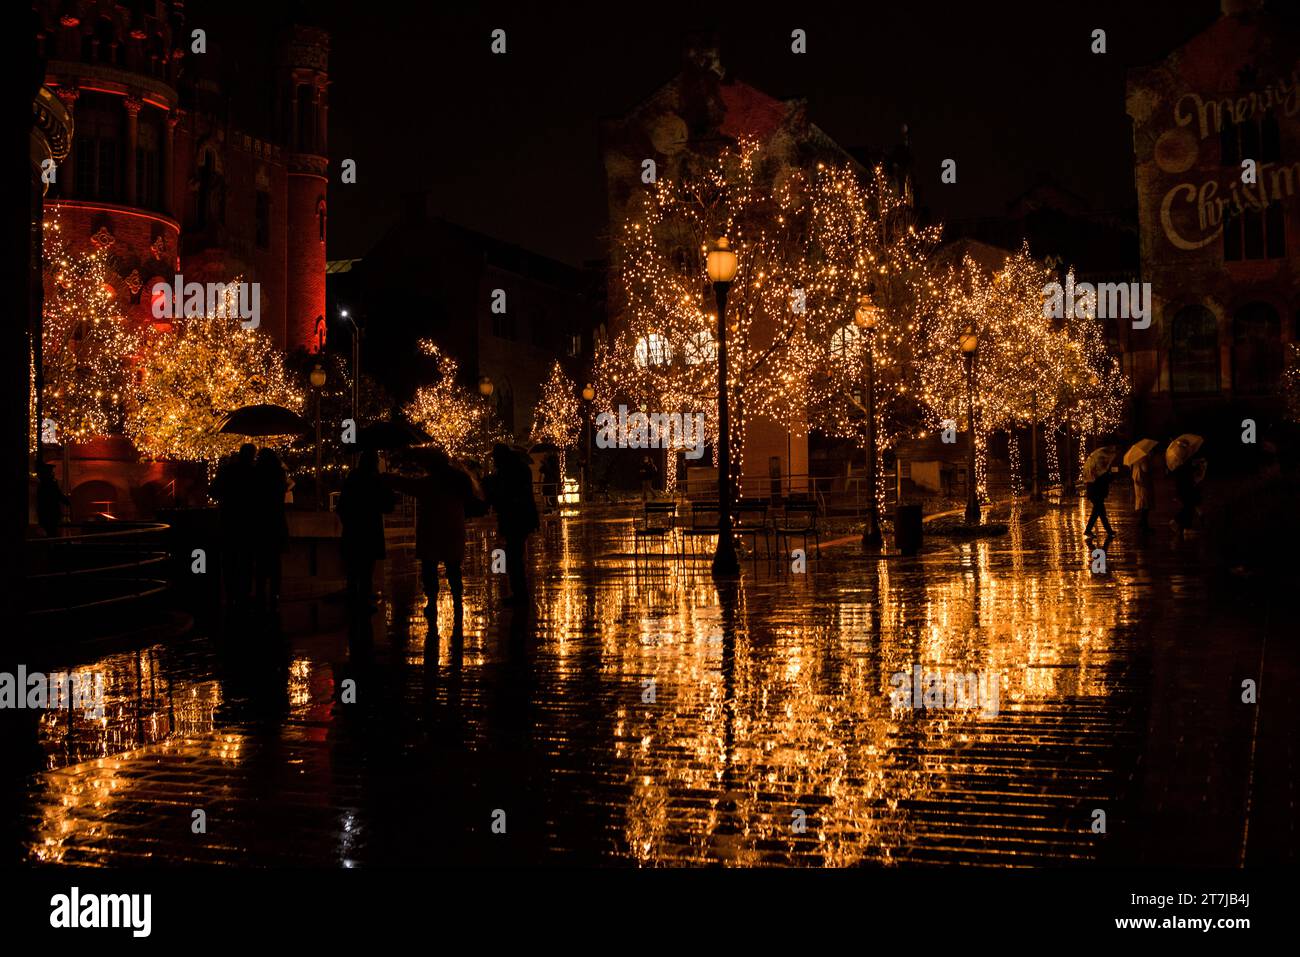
(588, 392)
(317, 376)
(721, 261)
(484, 386)
(867, 314)
(969, 342)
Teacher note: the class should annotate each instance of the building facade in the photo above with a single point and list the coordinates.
(168, 179)
(1216, 139)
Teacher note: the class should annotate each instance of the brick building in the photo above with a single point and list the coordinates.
(1222, 255)
(170, 179)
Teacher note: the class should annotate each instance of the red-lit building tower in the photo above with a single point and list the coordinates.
(170, 173)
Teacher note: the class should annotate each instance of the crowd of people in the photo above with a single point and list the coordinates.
(1187, 477)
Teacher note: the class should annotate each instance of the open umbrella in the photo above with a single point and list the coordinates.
(1181, 449)
(265, 419)
(1140, 450)
(390, 435)
(1099, 462)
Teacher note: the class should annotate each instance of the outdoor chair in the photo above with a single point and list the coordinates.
(752, 521)
(799, 521)
(704, 522)
(659, 520)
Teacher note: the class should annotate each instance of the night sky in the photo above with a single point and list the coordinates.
(508, 145)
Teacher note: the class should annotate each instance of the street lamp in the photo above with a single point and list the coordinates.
(865, 318)
(318, 384)
(969, 349)
(356, 362)
(588, 396)
(721, 265)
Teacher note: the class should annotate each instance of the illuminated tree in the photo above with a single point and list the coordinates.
(862, 240)
(458, 420)
(192, 375)
(557, 418)
(89, 345)
(664, 359)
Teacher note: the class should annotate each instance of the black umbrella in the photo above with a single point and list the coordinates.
(265, 419)
(390, 435)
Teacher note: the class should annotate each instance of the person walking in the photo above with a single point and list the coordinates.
(50, 500)
(1097, 490)
(233, 490)
(270, 526)
(1142, 472)
(1187, 485)
(551, 481)
(441, 495)
(649, 473)
(510, 493)
(362, 504)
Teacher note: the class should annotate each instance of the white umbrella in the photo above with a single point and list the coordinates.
(1099, 462)
(1181, 449)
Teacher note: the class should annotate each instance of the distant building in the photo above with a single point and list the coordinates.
(1222, 255)
(428, 278)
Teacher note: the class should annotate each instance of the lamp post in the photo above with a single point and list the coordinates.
(588, 396)
(969, 349)
(865, 318)
(356, 362)
(318, 384)
(721, 264)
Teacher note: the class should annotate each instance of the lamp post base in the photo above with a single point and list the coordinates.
(972, 513)
(725, 562)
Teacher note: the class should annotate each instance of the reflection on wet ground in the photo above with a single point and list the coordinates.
(646, 717)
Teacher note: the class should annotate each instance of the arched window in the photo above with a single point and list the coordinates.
(1194, 351)
(1256, 349)
(320, 218)
(652, 350)
(700, 348)
(844, 341)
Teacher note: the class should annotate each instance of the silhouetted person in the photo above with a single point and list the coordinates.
(49, 500)
(233, 489)
(649, 473)
(441, 496)
(1187, 485)
(362, 504)
(270, 526)
(510, 493)
(1142, 472)
(1096, 491)
(551, 479)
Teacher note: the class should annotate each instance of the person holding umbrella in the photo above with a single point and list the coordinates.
(1098, 473)
(1139, 461)
(361, 508)
(1188, 471)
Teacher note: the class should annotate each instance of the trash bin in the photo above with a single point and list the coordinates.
(907, 529)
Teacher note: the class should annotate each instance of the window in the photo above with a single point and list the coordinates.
(146, 167)
(263, 214)
(306, 120)
(1253, 233)
(320, 218)
(1256, 349)
(700, 348)
(844, 341)
(575, 343)
(1194, 351)
(503, 325)
(653, 350)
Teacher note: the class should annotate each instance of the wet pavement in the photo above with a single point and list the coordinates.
(643, 717)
